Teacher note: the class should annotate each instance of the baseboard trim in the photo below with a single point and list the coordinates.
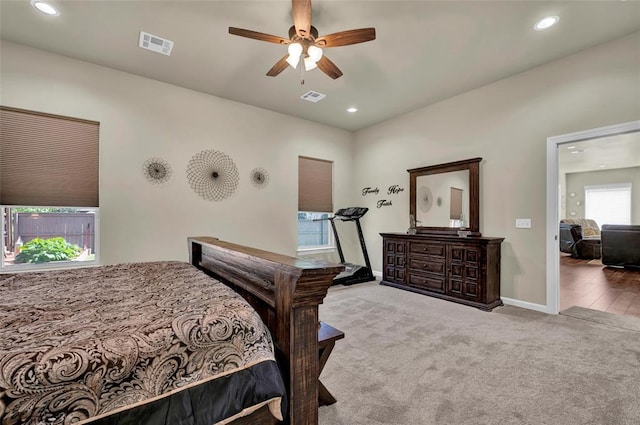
(377, 274)
(524, 304)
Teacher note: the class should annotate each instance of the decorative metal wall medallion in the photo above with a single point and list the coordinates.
(156, 170)
(213, 175)
(259, 178)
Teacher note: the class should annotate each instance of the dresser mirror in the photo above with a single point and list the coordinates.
(445, 198)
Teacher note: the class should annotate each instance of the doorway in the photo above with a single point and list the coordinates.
(556, 204)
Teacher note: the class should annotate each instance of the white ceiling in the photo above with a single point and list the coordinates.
(425, 51)
(604, 153)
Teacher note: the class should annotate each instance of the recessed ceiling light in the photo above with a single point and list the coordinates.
(545, 23)
(352, 109)
(45, 7)
(602, 166)
(578, 151)
(571, 147)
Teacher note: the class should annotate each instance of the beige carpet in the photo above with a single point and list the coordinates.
(409, 359)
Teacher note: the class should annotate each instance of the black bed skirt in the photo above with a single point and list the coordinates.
(210, 402)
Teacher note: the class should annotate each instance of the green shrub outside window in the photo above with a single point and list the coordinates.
(46, 250)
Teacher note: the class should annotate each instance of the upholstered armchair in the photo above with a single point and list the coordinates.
(590, 228)
(572, 242)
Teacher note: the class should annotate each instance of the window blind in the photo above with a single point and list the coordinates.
(47, 160)
(608, 204)
(315, 185)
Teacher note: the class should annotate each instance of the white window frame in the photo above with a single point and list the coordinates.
(54, 265)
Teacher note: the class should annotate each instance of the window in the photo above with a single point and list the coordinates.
(45, 237)
(315, 204)
(608, 204)
(48, 190)
(313, 230)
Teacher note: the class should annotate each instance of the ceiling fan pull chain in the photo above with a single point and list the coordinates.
(302, 72)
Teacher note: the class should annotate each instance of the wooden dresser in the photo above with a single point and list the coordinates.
(463, 270)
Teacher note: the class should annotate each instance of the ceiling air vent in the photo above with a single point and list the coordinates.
(155, 43)
(313, 96)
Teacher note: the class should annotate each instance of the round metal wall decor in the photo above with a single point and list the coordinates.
(213, 175)
(259, 178)
(156, 170)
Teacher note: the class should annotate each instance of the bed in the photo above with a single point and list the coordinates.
(163, 342)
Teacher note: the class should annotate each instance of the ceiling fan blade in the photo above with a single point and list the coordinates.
(301, 11)
(258, 36)
(329, 68)
(280, 66)
(345, 38)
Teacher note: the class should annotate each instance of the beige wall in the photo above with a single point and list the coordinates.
(141, 118)
(576, 183)
(506, 123)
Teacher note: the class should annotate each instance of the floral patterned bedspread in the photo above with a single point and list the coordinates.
(78, 344)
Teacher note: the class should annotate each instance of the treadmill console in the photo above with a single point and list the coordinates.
(351, 213)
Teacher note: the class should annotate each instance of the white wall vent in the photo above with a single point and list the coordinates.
(155, 43)
(313, 96)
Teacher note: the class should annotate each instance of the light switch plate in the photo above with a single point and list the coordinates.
(523, 223)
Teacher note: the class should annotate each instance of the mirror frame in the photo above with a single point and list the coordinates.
(473, 165)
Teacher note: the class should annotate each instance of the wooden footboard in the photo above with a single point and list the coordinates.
(286, 292)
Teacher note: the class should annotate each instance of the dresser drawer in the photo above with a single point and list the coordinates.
(427, 265)
(434, 250)
(468, 289)
(395, 260)
(394, 274)
(463, 271)
(394, 247)
(465, 254)
(426, 281)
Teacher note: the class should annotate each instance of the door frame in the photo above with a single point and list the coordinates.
(553, 191)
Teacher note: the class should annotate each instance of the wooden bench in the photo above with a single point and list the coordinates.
(327, 337)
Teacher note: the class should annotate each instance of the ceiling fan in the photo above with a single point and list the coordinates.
(304, 42)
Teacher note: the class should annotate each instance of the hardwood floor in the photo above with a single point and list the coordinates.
(586, 283)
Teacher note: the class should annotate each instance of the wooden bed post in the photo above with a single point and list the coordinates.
(286, 292)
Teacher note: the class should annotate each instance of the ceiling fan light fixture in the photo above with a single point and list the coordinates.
(295, 50)
(309, 64)
(315, 53)
(293, 61)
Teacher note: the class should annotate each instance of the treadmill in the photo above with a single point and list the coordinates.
(353, 273)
